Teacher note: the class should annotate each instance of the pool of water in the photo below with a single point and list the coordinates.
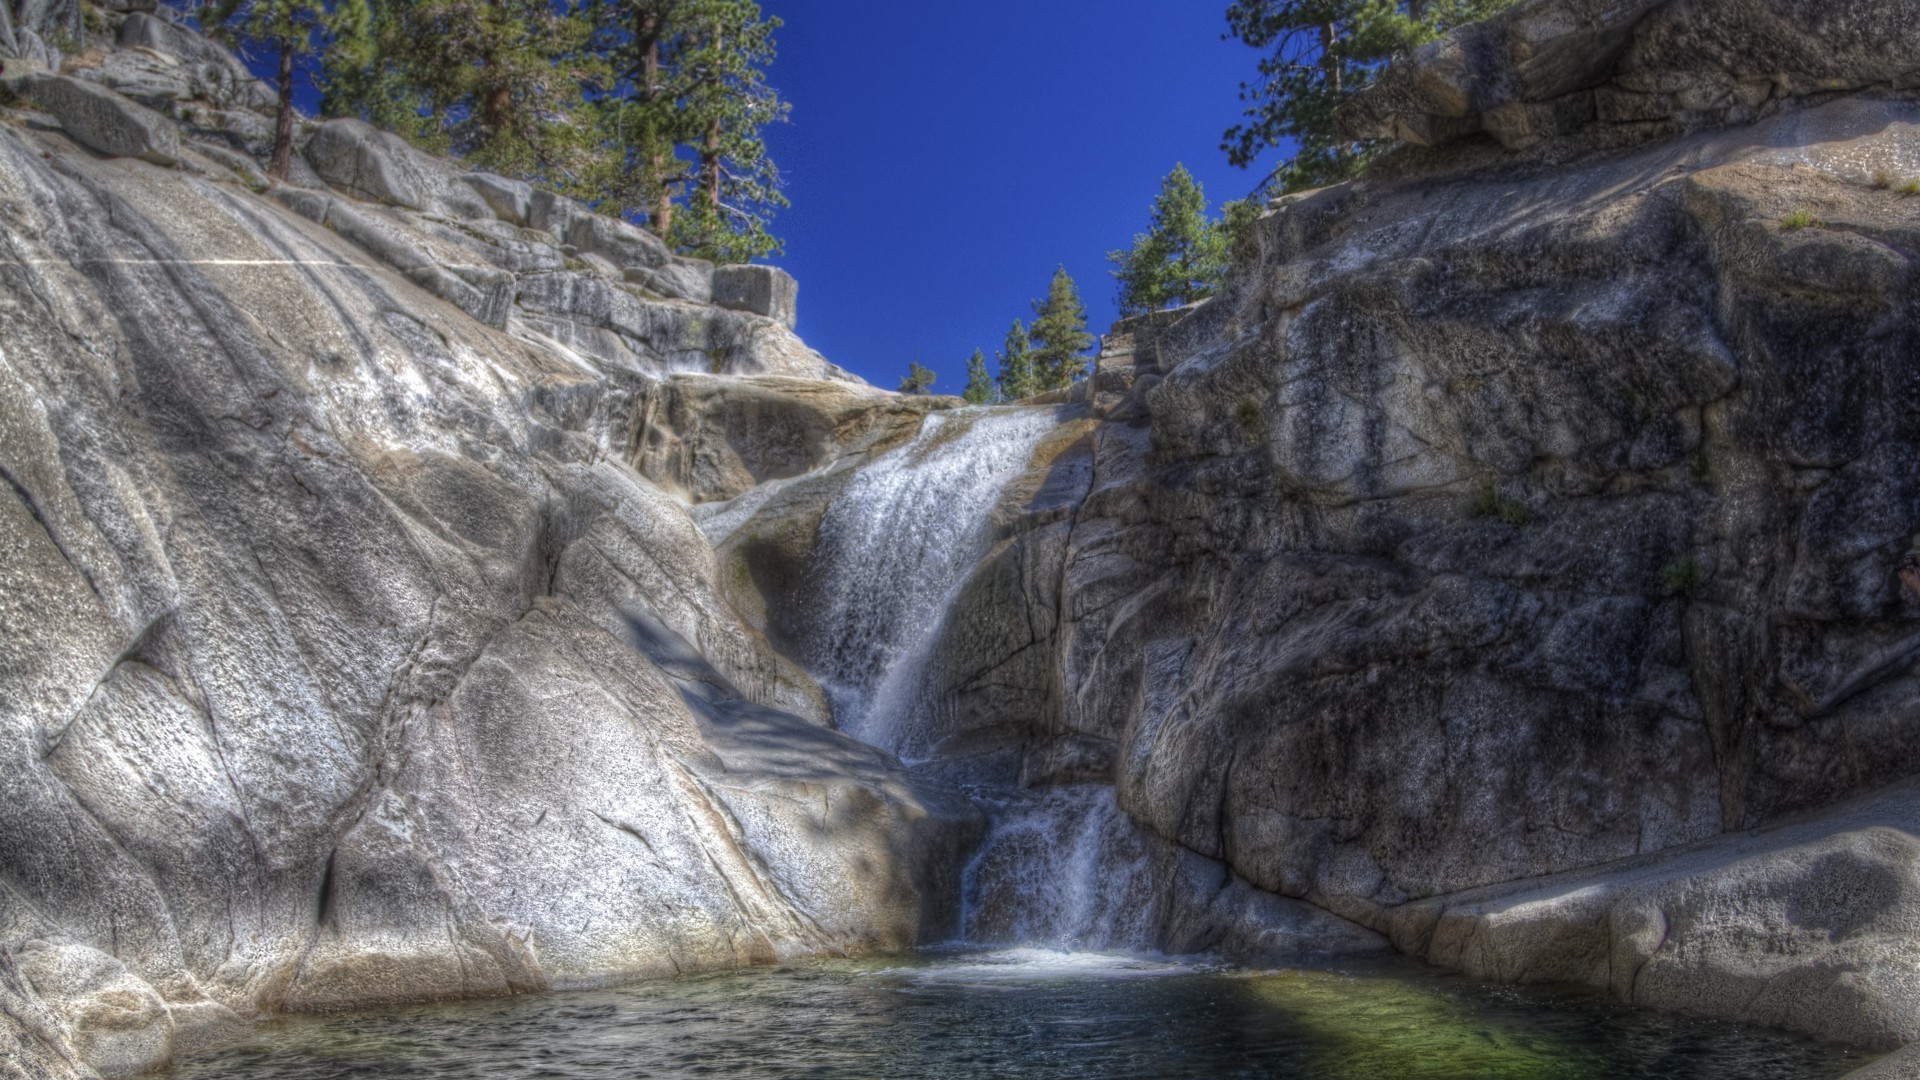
(1028, 1013)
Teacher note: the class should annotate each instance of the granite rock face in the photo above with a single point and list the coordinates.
(1498, 549)
(1569, 75)
(1499, 522)
(103, 121)
(346, 658)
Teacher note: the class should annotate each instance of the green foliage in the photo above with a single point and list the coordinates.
(290, 29)
(498, 82)
(980, 389)
(1180, 258)
(1683, 577)
(1016, 365)
(1059, 335)
(646, 109)
(1911, 187)
(1317, 54)
(1508, 511)
(678, 121)
(1246, 413)
(918, 380)
(1799, 219)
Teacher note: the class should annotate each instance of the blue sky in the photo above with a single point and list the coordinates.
(943, 158)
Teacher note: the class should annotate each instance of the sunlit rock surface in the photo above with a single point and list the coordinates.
(415, 586)
(345, 658)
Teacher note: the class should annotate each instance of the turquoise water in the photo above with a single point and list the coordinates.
(1028, 1013)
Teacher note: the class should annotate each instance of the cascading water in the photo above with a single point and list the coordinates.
(1065, 868)
(894, 548)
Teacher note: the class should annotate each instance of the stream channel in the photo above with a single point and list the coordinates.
(1057, 976)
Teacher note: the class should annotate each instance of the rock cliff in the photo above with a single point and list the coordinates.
(416, 585)
(346, 657)
(1533, 505)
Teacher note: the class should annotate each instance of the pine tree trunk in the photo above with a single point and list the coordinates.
(649, 26)
(494, 107)
(282, 161)
(710, 164)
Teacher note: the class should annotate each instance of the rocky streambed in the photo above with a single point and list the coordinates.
(417, 588)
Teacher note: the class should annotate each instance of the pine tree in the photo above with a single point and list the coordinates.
(637, 110)
(918, 380)
(1016, 365)
(725, 103)
(979, 384)
(1182, 256)
(291, 29)
(1319, 52)
(1059, 335)
(498, 82)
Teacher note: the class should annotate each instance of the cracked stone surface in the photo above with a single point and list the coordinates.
(346, 659)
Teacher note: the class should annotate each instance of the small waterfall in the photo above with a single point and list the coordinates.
(1064, 868)
(894, 548)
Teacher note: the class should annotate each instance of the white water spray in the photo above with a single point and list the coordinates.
(895, 548)
(1064, 868)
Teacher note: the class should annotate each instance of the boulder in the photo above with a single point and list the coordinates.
(713, 438)
(367, 163)
(762, 290)
(510, 200)
(679, 279)
(1812, 927)
(206, 68)
(105, 122)
(377, 166)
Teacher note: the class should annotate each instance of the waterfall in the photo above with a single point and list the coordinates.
(1064, 868)
(894, 548)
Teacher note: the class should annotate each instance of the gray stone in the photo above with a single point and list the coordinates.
(762, 290)
(510, 200)
(205, 68)
(397, 544)
(15, 71)
(368, 163)
(105, 122)
(1570, 75)
(679, 279)
(1902, 1065)
(1813, 927)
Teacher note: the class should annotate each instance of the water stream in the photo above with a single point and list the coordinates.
(893, 549)
(1057, 978)
(1027, 1013)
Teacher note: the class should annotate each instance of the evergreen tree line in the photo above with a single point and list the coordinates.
(1316, 54)
(649, 109)
(1179, 260)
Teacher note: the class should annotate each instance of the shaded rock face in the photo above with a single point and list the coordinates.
(348, 661)
(1500, 525)
(1565, 76)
